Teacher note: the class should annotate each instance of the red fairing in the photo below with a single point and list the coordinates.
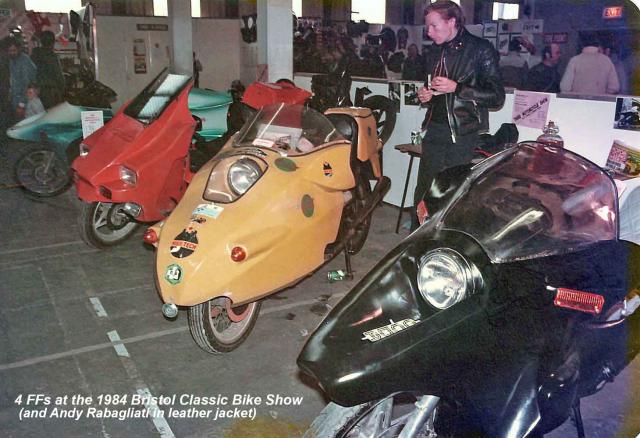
(260, 94)
(157, 152)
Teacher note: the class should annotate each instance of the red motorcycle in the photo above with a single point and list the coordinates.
(137, 169)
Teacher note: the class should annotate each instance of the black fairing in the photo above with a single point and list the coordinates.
(444, 186)
(506, 352)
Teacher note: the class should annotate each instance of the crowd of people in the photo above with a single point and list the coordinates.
(29, 84)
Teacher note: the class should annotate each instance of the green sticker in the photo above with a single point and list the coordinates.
(307, 205)
(286, 165)
(173, 274)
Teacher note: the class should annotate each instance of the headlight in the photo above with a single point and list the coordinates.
(84, 149)
(128, 176)
(444, 278)
(242, 175)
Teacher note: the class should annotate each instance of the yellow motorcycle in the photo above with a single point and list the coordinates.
(287, 193)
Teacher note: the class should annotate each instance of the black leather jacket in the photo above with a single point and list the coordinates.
(473, 63)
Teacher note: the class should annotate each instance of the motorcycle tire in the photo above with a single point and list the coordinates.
(362, 193)
(213, 330)
(43, 173)
(103, 225)
(336, 421)
(384, 112)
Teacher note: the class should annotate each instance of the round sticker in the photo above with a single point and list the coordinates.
(173, 274)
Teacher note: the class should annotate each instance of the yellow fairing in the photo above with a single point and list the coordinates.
(283, 222)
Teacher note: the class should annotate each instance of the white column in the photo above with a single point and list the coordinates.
(275, 38)
(181, 35)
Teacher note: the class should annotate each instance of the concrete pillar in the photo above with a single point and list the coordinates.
(275, 39)
(181, 34)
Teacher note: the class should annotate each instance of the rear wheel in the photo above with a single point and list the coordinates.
(219, 328)
(354, 209)
(43, 173)
(103, 224)
(384, 112)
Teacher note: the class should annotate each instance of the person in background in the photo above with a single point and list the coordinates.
(49, 76)
(465, 83)
(197, 68)
(545, 76)
(623, 76)
(34, 104)
(22, 72)
(513, 66)
(413, 66)
(590, 72)
(5, 101)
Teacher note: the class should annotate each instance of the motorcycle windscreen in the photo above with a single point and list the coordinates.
(535, 200)
(290, 129)
(156, 97)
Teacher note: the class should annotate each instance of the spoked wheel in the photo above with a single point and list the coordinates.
(41, 172)
(218, 328)
(362, 192)
(383, 418)
(103, 224)
(385, 114)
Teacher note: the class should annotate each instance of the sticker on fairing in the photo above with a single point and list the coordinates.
(263, 142)
(209, 210)
(388, 330)
(327, 169)
(185, 243)
(173, 274)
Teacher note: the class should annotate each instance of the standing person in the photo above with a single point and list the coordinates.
(5, 101)
(413, 66)
(34, 104)
(513, 66)
(197, 68)
(545, 76)
(465, 82)
(590, 72)
(22, 72)
(49, 77)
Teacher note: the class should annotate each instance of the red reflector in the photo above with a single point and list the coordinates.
(150, 237)
(238, 254)
(578, 300)
(422, 212)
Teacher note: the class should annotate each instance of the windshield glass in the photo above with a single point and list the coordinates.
(152, 101)
(291, 129)
(535, 200)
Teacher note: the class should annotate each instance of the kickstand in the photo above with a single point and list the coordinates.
(347, 262)
(577, 417)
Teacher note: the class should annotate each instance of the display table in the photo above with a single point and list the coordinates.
(414, 150)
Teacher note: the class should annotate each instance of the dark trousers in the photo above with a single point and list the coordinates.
(438, 153)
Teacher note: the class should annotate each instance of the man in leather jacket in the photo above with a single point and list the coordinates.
(463, 82)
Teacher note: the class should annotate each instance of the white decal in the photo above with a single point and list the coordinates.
(387, 330)
(210, 210)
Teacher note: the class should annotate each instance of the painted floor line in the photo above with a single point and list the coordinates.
(98, 307)
(133, 339)
(52, 256)
(159, 421)
(38, 248)
(121, 350)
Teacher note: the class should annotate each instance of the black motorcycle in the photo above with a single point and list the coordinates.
(513, 301)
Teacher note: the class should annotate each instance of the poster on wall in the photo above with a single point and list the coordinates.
(395, 94)
(530, 109)
(490, 30)
(627, 114)
(411, 93)
(503, 44)
(139, 56)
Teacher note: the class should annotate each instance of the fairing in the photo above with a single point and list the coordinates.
(503, 350)
(294, 199)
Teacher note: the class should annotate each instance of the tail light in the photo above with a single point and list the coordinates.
(578, 300)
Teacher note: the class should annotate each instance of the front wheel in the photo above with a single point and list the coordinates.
(219, 328)
(383, 418)
(384, 112)
(41, 172)
(103, 224)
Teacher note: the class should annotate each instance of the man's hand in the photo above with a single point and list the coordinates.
(425, 94)
(443, 85)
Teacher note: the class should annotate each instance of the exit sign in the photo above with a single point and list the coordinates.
(612, 12)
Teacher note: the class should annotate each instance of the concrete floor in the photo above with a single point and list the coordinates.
(64, 304)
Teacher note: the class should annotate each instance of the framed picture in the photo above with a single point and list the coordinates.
(493, 41)
(503, 44)
(548, 38)
(560, 38)
(490, 30)
(411, 93)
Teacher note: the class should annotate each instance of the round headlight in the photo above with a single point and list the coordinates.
(243, 174)
(444, 278)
